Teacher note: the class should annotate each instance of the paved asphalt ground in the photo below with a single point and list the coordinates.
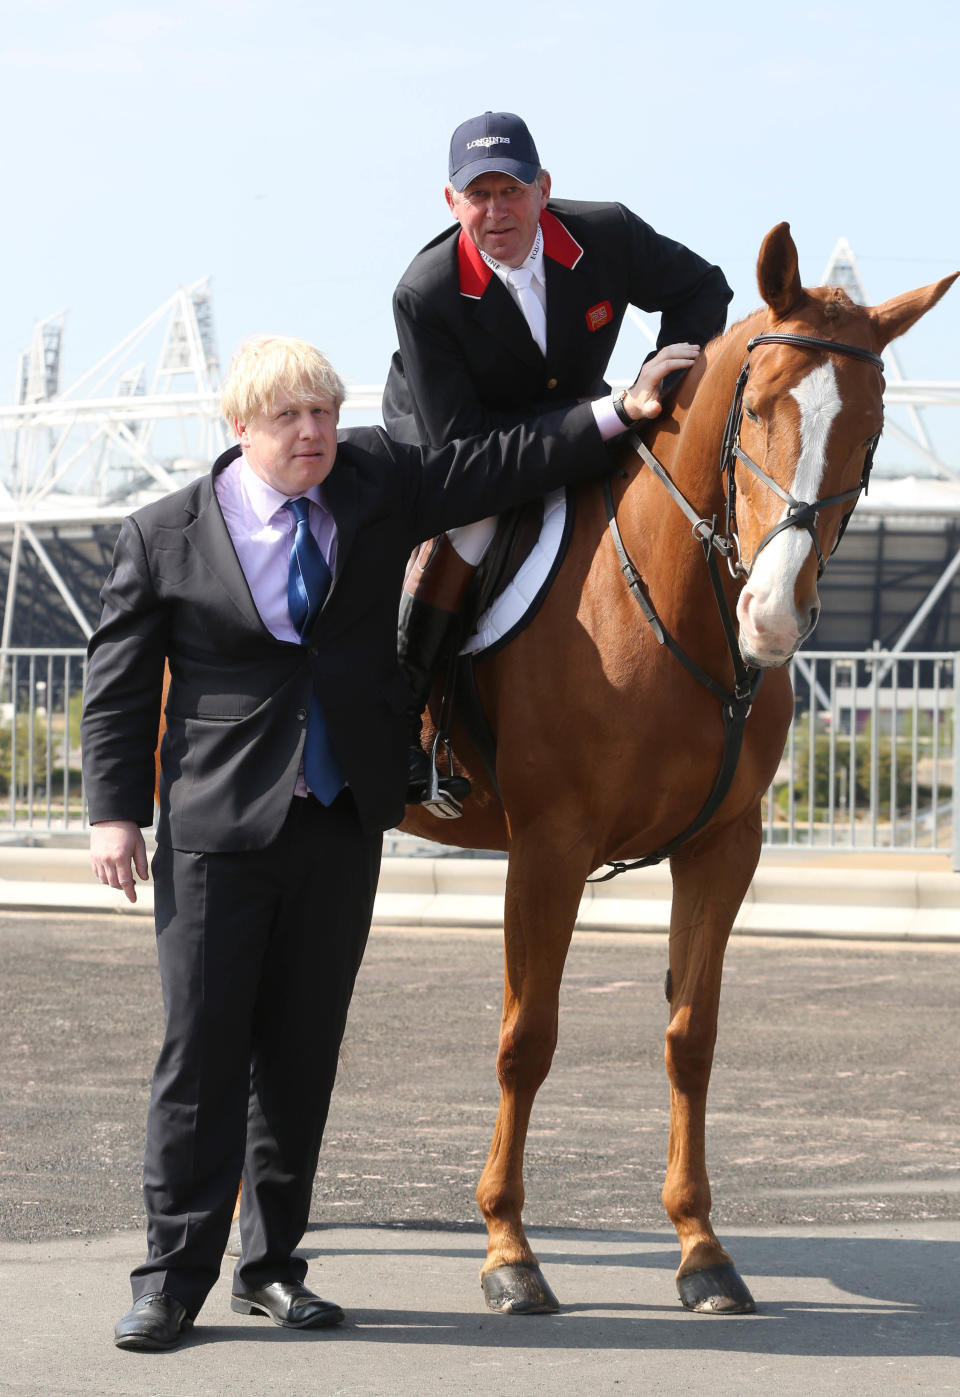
(833, 1144)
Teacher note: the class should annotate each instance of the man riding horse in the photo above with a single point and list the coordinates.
(687, 573)
(513, 312)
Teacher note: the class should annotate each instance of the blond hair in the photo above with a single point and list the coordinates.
(266, 365)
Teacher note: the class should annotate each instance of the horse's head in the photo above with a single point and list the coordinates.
(800, 440)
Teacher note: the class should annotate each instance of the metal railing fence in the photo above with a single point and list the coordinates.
(41, 696)
(871, 760)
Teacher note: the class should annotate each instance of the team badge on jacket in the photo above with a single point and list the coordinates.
(599, 315)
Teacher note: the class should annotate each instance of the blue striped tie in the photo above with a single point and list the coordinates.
(308, 582)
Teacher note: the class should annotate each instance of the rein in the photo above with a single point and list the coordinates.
(736, 703)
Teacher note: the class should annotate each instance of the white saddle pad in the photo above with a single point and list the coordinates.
(506, 613)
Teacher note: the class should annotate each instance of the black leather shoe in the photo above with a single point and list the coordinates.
(157, 1321)
(290, 1304)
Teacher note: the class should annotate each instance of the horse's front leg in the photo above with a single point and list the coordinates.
(708, 888)
(542, 896)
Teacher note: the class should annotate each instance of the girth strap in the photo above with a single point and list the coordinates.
(733, 725)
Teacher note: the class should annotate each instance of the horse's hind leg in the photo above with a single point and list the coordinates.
(709, 886)
(542, 896)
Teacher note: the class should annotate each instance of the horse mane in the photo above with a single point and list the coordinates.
(731, 330)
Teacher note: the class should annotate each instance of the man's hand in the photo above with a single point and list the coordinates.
(642, 398)
(116, 849)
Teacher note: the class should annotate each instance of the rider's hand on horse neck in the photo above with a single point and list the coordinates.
(642, 398)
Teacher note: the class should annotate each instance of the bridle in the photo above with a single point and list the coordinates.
(801, 514)
(737, 700)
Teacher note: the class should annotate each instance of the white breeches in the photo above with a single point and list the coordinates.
(471, 541)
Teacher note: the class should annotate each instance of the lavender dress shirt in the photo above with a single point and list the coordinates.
(262, 533)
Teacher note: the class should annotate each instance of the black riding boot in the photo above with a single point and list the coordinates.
(421, 633)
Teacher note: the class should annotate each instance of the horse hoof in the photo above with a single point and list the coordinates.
(234, 1246)
(717, 1290)
(518, 1289)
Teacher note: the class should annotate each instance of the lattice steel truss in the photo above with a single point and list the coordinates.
(75, 460)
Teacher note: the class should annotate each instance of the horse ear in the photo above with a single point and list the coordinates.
(895, 317)
(778, 271)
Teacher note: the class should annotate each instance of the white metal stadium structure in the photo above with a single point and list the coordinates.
(144, 420)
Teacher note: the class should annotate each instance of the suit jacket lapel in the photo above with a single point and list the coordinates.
(210, 539)
(564, 294)
(340, 493)
(563, 259)
(492, 306)
(212, 545)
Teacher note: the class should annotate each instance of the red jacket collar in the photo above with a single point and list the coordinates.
(474, 273)
(558, 244)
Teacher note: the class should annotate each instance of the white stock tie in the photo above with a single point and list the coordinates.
(529, 302)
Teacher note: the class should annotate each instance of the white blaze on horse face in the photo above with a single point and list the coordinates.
(770, 627)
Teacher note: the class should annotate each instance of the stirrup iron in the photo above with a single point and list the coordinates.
(442, 804)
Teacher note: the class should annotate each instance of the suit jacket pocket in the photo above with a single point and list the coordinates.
(187, 701)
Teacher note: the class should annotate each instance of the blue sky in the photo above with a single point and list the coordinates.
(297, 153)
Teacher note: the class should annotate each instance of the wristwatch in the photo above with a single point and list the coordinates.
(621, 411)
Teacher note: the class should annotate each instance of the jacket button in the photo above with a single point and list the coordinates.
(551, 383)
(301, 715)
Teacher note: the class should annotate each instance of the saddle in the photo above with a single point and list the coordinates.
(519, 532)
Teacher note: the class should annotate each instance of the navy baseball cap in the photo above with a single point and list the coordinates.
(495, 141)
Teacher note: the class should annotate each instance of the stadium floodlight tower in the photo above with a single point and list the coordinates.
(76, 461)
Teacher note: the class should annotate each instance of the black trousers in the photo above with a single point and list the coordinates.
(258, 955)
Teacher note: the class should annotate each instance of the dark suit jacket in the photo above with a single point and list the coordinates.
(467, 362)
(238, 701)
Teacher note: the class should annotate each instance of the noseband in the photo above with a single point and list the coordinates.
(801, 514)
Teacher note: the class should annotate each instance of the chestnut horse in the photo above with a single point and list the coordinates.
(613, 742)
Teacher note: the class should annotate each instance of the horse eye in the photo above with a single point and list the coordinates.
(754, 416)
